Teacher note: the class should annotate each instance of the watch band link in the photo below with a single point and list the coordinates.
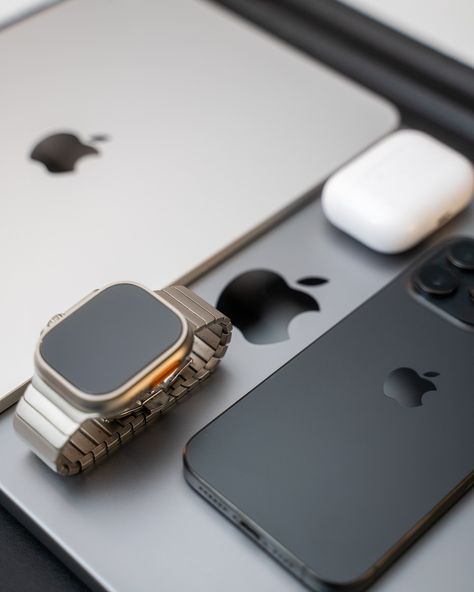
(73, 442)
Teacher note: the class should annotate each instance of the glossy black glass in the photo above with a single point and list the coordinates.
(462, 255)
(110, 339)
(447, 281)
(436, 280)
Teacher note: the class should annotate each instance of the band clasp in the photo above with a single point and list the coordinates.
(153, 393)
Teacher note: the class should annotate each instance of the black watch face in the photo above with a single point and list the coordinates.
(115, 335)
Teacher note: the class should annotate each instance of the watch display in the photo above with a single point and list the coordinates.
(111, 338)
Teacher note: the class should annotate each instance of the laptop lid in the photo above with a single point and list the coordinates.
(143, 140)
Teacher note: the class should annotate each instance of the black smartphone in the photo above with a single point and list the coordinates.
(337, 462)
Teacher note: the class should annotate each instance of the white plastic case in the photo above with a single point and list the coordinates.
(399, 191)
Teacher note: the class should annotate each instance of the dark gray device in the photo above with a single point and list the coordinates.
(339, 460)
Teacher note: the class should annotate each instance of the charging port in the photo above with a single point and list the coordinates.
(249, 530)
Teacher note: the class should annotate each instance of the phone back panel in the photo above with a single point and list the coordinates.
(323, 462)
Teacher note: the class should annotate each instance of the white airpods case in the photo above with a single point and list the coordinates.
(399, 191)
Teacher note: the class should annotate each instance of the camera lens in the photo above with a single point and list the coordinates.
(462, 255)
(436, 280)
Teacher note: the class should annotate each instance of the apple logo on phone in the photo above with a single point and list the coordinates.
(60, 152)
(262, 304)
(407, 387)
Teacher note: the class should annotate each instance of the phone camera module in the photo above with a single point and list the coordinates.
(436, 280)
(462, 255)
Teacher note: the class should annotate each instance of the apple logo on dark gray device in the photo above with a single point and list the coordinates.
(407, 387)
(261, 304)
(60, 152)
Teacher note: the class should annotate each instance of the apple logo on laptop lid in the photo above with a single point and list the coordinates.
(59, 152)
(262, 304)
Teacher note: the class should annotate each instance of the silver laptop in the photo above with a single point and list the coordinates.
(145, 140)
(174, 119)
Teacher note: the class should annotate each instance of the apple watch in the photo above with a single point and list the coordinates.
(111, 365)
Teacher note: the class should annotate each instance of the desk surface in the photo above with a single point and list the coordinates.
(27, 566)
(445, 26)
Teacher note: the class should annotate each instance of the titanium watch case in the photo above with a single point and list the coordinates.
(159, 370)
(130, 355)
